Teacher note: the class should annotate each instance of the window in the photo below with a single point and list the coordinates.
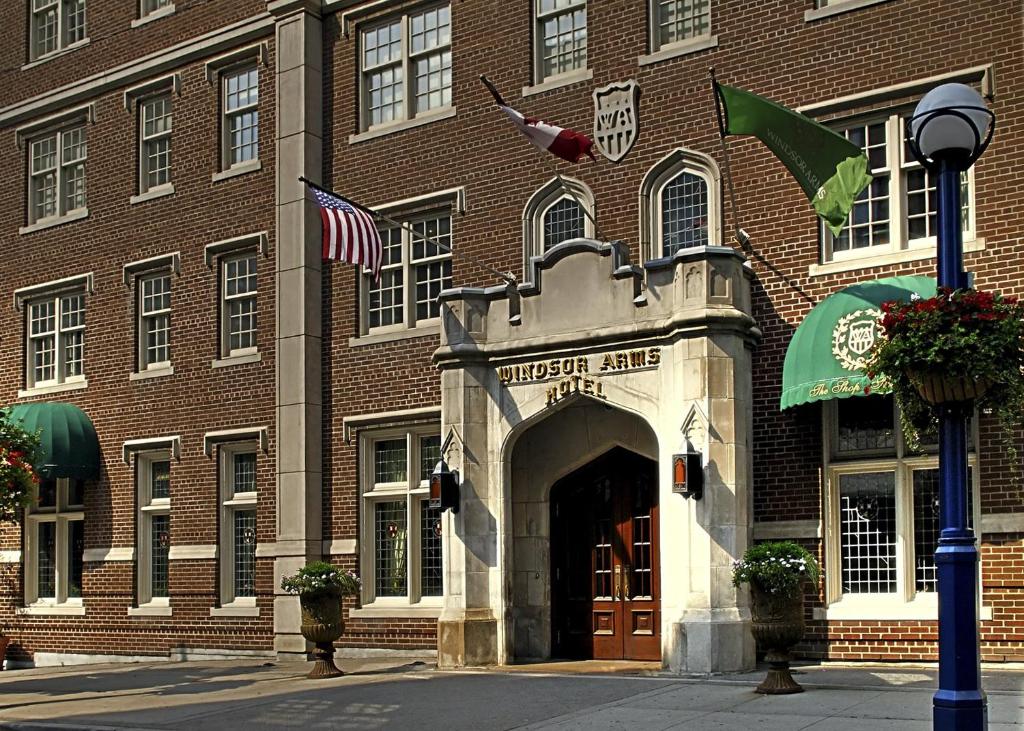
(56, 339)
(552, 216)
(406, 66)
(238, 304)
(155, 123)
(241, 123)
(560, 37)
(55, 538)
(680, 204)
(401, 560)
(56, 24)
(153, 526)
(896, 211)
(389, 304)
(238, 524)
(883, 520)
(57, 174)
(678, 21)
(154, 308)
(149, 7)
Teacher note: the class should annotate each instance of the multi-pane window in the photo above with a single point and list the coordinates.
(56, 339)
(238, 313)
(564, 220)
(406, 66)
(560, 37)
(56, 24)
(684, 213)
(410, 258)
(557, 212)
(883, 516)
(241, 121)
(238, 524)
(54, 543)
(153, 527)
(678, 21)
(155, 122)
(57, 174)
(154, 292)
(402, 558)
(897, 209)
(151, 6)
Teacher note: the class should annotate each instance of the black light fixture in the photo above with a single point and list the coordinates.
(688, 475)
(444, 488)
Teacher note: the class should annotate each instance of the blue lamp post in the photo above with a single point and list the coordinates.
(949, 131)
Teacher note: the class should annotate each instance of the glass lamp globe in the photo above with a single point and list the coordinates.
(961, 130)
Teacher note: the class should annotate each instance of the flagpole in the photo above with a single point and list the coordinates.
(507, 277)
(740, 234)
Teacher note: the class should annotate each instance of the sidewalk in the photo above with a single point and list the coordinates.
(409, 693)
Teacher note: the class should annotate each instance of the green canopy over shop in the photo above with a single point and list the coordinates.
(829, 348)
(69, 447)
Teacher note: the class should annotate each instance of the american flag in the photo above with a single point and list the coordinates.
(349, 233)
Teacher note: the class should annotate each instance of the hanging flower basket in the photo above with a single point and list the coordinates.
(939, 388)
(19, 451)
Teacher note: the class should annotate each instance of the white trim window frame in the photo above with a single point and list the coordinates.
(401, 554)
(55, 339)
(152, 7)
(677, 23)
(238, 489)
(881, 518)
(240, 125)
(55, 25)
(56, 174)
(412, 274)
(405, 66)
(896, 212)
(239, 303)
(153, 307)
(153, 526)
(156, 120)
(54, 544)
(559, 38)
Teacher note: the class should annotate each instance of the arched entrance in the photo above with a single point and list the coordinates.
(606, 588)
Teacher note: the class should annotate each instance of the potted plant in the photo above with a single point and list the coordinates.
(320, 587)
(958, 347)
(776, 573)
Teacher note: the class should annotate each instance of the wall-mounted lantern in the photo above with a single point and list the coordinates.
(444, 488)
(688, 475)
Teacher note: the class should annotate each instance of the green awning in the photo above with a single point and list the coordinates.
(68, 438)
(828, 350)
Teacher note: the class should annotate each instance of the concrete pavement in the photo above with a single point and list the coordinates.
(406, 693)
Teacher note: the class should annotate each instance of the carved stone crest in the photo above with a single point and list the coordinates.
(616, 118)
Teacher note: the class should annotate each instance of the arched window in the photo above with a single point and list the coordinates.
(679, 204)
(553, 215)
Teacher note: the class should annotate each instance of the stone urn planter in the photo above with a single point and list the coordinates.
(777, 624)
(322, 625)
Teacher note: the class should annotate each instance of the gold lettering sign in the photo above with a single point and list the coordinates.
(541, 370)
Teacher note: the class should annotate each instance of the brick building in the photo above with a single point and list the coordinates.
(253, 409)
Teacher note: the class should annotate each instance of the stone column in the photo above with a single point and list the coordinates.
(299, 149)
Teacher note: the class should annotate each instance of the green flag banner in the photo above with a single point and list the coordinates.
(831, 169)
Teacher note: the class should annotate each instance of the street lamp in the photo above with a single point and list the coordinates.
(949, 131)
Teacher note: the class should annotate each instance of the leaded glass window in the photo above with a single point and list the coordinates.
(153, 475)
(159, 552)
(238, 527)
(391, 547)
(684, 213)
(868, 526)
(563, 221)
(55, 537)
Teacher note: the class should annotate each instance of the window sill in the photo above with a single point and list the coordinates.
(884, 609)
(880, 260)
(557, 82)
(232, 360)
(150, 610)
(114, 553)
(192, 553)
(56, 54)
(159, 191)
(55, 388)
(155, 15)
(52, 610)
(684, 48)
(376, 611)
(235, 610)
(390, 337)
(51, 222)
(392, 127)
(843, 6)
(241, 168)
(151, 373)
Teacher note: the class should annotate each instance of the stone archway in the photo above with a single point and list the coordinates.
(545, 452)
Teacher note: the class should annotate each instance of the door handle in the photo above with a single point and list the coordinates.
(625, 581)
(617, 583)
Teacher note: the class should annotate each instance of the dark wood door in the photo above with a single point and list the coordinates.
(604, 555)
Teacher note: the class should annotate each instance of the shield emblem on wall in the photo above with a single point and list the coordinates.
(616, 118)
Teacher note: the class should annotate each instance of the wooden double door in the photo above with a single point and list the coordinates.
(606, 599)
